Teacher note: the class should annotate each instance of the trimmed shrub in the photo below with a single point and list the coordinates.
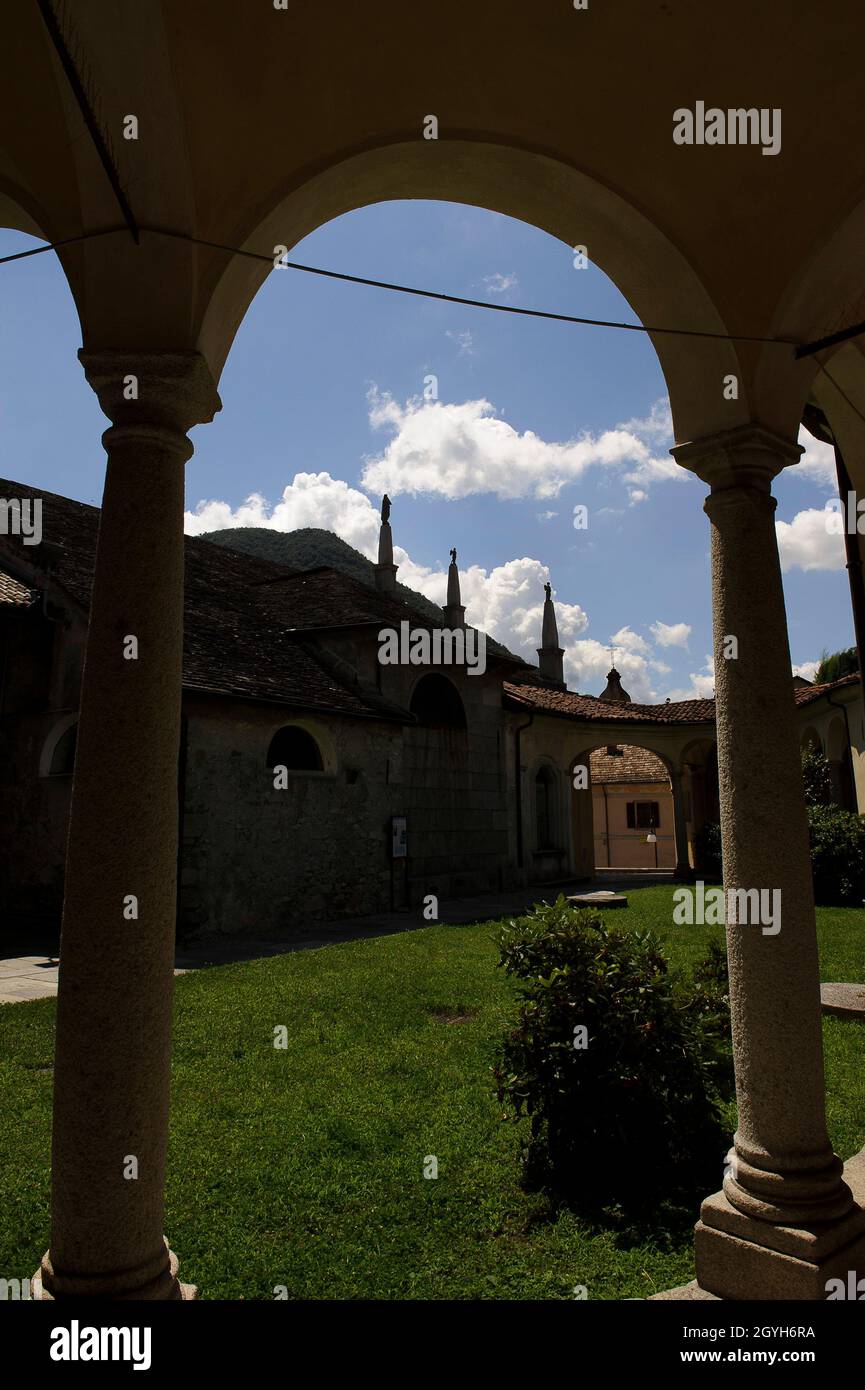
(816, 776)
(635, 1111)
(837, 856)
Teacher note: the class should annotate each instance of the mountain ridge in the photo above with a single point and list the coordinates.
(307, 548)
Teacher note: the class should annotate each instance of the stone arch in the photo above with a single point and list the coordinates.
(60, 744)
(811, 740)
(836, 738)
(840, 763)
(436, 702)
(547, 820)
(842, 399)
(825, 295)
(303, 746)
(652, 273)
(646, 744)
(19, 211)
(603, 822)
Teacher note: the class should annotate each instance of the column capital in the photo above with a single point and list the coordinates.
(748, 456)
(169, 391)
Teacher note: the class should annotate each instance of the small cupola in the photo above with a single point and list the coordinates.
(613, 692)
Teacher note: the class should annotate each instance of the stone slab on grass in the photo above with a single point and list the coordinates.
(603, 898)
(845, 1001)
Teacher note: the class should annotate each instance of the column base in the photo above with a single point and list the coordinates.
(740, 1257)
(162, 1286)
(685, 1292)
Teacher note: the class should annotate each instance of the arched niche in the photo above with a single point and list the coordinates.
(437, 704)
(303, 747)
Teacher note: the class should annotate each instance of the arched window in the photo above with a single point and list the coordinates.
(294, 748)
(545, 808)
(436, 703)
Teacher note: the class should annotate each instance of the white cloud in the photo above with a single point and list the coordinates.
(464, 341)
(628, 641)
(506, 601)
(702, 685)
(587, 662)
(498, 283)
(807, 543)
(546, 516)
(637, 495)
(311, 499)
(509, 601)
(457, 450)
(670, 634)
(817, 462)
(657, 425)
(806, 669)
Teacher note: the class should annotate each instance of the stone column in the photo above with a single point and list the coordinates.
(683, 863)
(696, 775)
(785, 1221)
(111, 1073)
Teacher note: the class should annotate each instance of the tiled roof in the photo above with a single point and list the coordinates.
(568, 704)
(630, 764)
(806, 693)
(244, 618)
(326, 598)
(242, 637)
(13, 592)
(528, 693)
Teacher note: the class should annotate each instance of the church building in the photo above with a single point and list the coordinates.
(317, 781)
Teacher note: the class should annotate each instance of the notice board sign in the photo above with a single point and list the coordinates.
(399, 837)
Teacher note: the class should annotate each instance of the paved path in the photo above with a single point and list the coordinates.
(29, 962)
(28, 977)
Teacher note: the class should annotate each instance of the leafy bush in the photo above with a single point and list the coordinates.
(837, 849)
(837, 856)
(708, 847)
(817, 778)
(635, 1111)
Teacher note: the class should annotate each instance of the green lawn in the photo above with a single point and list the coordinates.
(304, 1167)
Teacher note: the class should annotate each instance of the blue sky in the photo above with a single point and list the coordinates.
(323, 408)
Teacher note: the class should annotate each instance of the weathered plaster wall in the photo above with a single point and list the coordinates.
(621, 847)
(258, 860)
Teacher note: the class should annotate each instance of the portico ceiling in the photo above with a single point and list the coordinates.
(256, 124)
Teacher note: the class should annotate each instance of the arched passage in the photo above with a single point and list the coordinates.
(623, 812)
(230, 117)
